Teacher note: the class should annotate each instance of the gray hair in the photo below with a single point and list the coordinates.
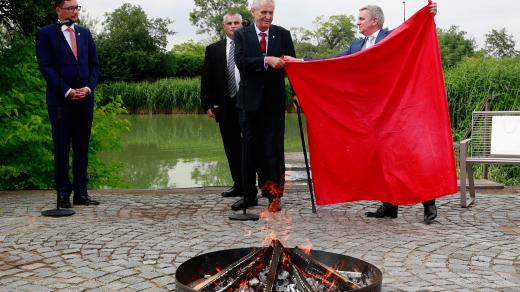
(256, 4)
(375, 11)
(231, 14)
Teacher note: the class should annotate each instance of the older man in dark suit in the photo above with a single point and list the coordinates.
(219, 87)
(261, 103)
(68, 61)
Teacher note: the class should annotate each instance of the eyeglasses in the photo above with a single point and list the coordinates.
(72, 8)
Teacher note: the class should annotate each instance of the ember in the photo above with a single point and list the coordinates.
(275, 268)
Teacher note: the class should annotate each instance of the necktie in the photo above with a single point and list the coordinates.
(231, 70)
(263, 44)
(73, 42)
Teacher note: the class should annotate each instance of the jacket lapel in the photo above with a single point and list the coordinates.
(272, 45)
(381, 35)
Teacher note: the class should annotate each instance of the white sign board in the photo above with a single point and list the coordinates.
(505, 135)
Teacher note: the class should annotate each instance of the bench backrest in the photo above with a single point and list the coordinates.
(495, 134)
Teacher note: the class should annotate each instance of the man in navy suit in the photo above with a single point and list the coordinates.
(261, 103)
(370, 23)
(68, 61)
(218, 92)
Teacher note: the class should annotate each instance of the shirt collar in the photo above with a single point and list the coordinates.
(258, 31)
(228, 40)
(375, 34)
(64, 27)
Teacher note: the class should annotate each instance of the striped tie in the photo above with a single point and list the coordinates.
(231, 70)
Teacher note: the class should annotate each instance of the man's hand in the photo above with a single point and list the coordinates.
(274, 62)
(79, 93)
(291, 58)
(210, 112)
(433, 8)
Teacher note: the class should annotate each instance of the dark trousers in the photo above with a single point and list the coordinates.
(263, 151)
(229, 125)
(71, 124)
(425, 204)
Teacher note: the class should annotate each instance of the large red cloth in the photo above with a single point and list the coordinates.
(377, 121)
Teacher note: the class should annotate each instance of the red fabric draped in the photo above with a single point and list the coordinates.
(377, 121)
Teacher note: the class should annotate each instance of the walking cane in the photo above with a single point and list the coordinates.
(309, 181)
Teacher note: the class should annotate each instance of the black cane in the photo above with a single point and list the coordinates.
(309, 181)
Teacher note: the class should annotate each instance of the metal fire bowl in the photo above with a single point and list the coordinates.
(195, 268)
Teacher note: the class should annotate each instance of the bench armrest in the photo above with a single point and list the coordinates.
(465, 141)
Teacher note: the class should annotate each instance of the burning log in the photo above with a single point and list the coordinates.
(322, 274)
(277, 269)
(233, 275)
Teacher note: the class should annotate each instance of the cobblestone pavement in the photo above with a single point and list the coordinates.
(135, 240)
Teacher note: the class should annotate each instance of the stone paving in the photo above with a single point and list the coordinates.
(135, 240)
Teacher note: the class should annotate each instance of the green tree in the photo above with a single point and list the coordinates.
(208, 14)
(26, 160)
(336, 32)
(189, 59)
(500, 44)
(454, 46)
(25, 16)
(132, 46)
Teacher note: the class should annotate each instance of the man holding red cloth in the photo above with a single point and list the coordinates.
(390, 120)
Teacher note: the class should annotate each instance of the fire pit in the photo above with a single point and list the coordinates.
(276, 268)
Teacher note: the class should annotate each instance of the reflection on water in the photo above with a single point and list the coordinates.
(176, 151)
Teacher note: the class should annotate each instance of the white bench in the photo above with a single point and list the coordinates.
(495, 139)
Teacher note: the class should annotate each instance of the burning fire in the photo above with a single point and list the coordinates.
(306, 247)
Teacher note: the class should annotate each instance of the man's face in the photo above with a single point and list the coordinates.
(68, 10)
(366, 24)
(232, 23)
(263, 15)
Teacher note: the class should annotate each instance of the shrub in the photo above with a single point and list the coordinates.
(26, 156)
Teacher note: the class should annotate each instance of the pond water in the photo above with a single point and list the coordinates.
(178, 151)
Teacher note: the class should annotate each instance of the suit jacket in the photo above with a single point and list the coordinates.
(260, 86)
(59, 67)
(214, 81)
(357, 45)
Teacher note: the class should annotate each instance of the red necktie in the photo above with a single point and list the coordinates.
(263, 44)
(73, 42)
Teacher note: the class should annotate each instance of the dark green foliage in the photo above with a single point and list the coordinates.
(132, 47)
(208, 14)
(454, 46)
(500, 44)
(26, 160)
(162, 96)
(330, 37)
(473, 79)
(25, 16)
(188, 59)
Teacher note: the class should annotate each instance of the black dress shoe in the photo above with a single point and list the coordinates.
(232, 192)
(84, 200)
(241, 204)
(383, 211)
(65, 203)
(430, 213)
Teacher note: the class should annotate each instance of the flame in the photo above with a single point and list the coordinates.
(306, 247)
(274, 189)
